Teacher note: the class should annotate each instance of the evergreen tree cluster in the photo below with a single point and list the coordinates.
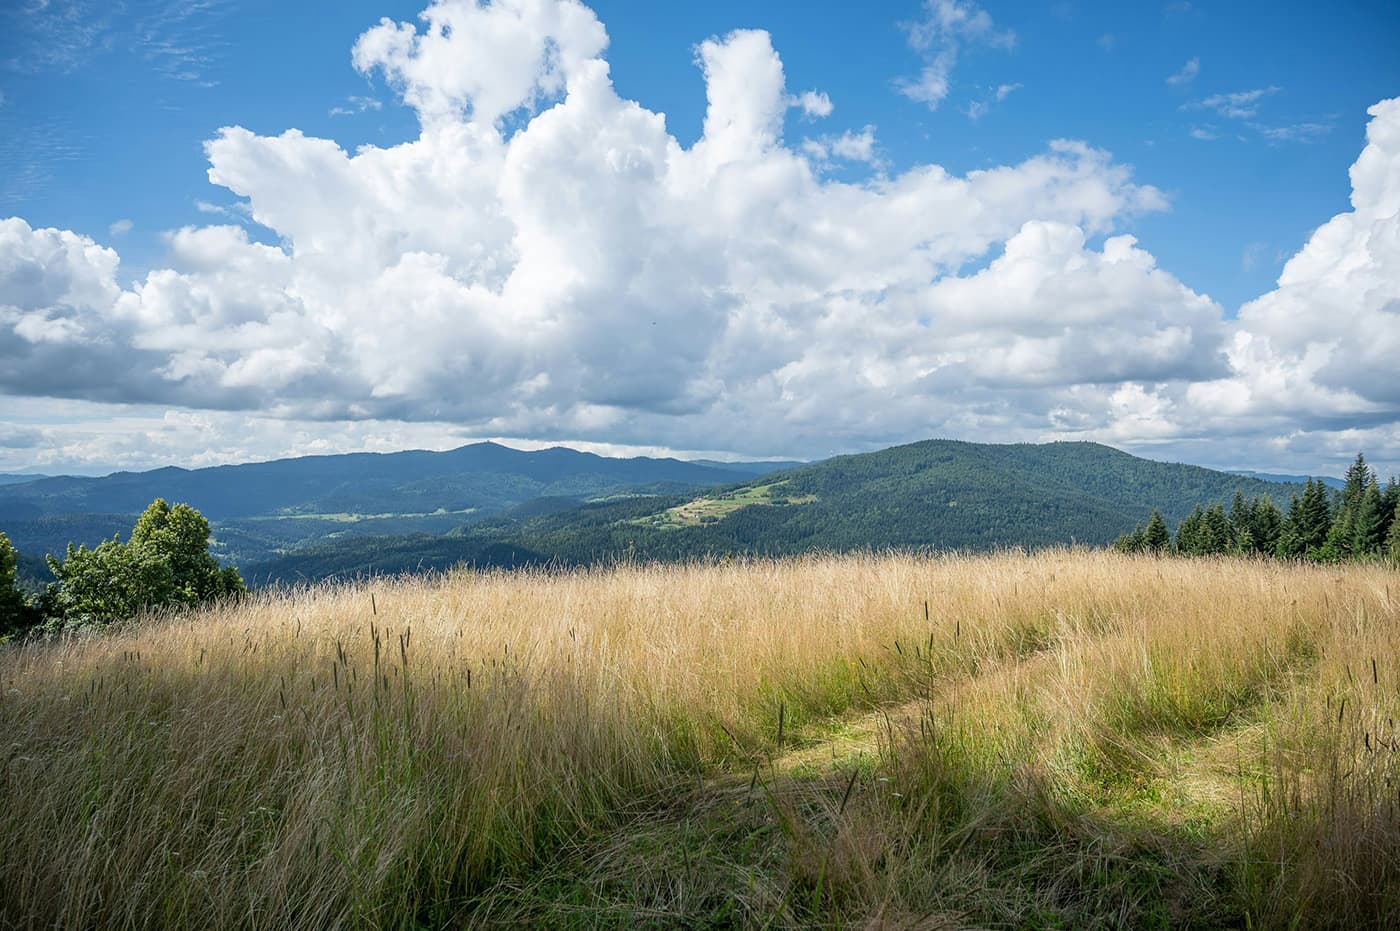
(165, 562)
(1154, 538)
(1362, 522)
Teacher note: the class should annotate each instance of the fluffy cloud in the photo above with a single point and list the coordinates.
(849, 146)
(486, 59)
(545, 260)
(1311, 364)
(815, 104)
(1325, 344)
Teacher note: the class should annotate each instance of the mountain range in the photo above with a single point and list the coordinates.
(938, 494)
(19, 478)
(316, 517)
(259, 510)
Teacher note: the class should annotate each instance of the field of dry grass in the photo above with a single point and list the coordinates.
(1065, 739)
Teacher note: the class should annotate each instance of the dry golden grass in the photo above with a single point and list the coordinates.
(1000, 740)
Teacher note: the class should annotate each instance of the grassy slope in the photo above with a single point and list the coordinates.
(1069, 739)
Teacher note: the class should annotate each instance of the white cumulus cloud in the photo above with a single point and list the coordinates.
(546, 261)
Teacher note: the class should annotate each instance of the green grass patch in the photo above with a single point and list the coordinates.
(713, 508)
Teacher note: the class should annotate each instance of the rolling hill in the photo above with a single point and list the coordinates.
(938, 494)
(1329, 480)
(19, 478)
(260, 510)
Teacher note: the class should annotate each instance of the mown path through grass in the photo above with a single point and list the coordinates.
(733, 849)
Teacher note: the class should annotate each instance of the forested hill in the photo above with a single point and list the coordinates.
(260, 510)
(19, 478)
(1330, 481)
(482, 476)
(935, 494)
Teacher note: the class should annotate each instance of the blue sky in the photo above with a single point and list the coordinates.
(110, 98)
(1240, 120)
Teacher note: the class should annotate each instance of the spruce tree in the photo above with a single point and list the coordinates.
(1156, 538)
(1290, 537)
(1188, 533)
(1241, 514)
(1314, 519)
(1368, 525)
(1390, 501)
(1357, 530)
(1130, 542)
(1217, 535)
(1392, 541)
(1268, 524)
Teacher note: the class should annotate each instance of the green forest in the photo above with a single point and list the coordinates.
(1361, 522)
(933, 496)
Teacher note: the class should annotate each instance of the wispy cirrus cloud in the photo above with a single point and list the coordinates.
(946, 27)
(180, 40)
(979, 108)
(356, 104)
(57, 35)
(1186, 75)
(1244, 107)
(177, 39)
(1294, 132)
(1237, 105)
(31, 151)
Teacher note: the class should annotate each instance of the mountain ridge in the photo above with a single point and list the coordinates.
(260, 509)
(934, 494)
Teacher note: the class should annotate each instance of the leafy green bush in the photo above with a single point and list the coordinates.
(165, 563)
(15, 613)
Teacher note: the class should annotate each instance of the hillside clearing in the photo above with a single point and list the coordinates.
(711, 508)
(1070, 738)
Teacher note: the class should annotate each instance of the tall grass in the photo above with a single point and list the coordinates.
(388, 754)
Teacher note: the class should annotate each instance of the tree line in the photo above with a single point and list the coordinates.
(164, 563)
(1361, 522)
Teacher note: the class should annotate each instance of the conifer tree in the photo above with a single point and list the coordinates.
(1392, 541)
(1290, 538)
(1156, 538)
(1357, 530)
(1268, 523)
(1217, 535)
(1390, 500)
(1188, 533)
(1309, 521)
(1241, 514)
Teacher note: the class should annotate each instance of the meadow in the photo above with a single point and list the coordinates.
(1069, 738)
